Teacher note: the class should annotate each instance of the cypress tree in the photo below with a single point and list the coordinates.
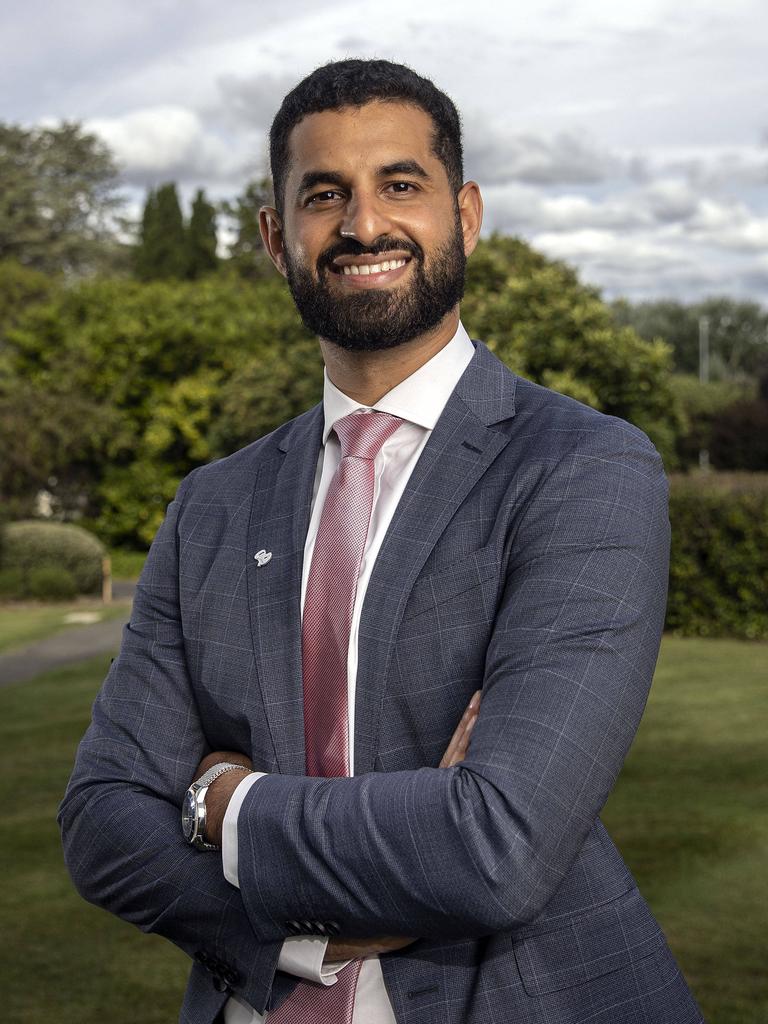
(162, 249)
(201, 238)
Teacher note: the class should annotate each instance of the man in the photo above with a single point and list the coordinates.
(441, 526)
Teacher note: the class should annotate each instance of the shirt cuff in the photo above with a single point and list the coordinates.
(229, 828)
(302, 955)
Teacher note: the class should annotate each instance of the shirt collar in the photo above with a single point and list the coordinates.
(420, 398)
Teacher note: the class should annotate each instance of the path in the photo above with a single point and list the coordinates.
(65, 648)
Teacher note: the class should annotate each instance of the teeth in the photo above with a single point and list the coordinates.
(373, 268)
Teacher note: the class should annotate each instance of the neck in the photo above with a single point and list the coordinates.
(368, 376)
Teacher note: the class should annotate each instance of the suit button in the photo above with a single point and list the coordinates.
(293, 927)
(308, 926)
(333, 927)
(230, 975)
(203, 957)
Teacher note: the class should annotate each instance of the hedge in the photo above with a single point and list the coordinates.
(718, 581)
(31, 545)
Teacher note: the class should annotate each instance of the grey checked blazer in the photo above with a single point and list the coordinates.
(528, 556)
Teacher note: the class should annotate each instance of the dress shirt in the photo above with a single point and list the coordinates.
(418, 400)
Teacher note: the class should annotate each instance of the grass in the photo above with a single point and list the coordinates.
(23, 623)
(689, 813)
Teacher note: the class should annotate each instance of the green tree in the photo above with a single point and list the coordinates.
(201, 238)
(162, 251)
(58, 198)
(246, 254)
(546, 325)
(738, 332)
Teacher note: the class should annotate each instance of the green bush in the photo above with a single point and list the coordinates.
(11, 583)
(51, 583)
(30, 545)
(718, 584)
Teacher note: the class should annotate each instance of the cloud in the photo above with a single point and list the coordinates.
(169, 143)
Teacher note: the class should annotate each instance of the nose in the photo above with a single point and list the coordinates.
(364, 219)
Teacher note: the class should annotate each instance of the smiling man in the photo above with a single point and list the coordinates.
(440, 548)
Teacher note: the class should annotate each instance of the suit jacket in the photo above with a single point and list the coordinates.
(528, 556)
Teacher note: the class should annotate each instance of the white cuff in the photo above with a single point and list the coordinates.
(229, 828)
(302, 955)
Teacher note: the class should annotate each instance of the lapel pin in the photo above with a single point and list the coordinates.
(262, 557)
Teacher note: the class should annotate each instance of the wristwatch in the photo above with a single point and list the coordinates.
(193, 808)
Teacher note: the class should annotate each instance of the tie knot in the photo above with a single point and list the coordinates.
(362, 434)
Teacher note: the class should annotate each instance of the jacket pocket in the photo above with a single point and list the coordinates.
(469, 572)
(611, 937)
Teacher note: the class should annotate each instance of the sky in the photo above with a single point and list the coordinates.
(630, 141)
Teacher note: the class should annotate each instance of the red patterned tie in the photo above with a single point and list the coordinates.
(328, 605)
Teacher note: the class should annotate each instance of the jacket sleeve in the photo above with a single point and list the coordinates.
(120, 817)
(481, 847)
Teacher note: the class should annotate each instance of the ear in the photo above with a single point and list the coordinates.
(271, 229)
(471, 213)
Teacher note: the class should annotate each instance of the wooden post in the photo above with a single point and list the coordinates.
(106, 579)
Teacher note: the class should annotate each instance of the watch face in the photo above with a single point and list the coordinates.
(188, 816)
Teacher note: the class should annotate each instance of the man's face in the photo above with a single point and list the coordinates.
(372, 239)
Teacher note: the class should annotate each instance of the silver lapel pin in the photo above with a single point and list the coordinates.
(262, 557)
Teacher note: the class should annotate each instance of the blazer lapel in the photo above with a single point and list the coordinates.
(279, 521)
(460, 449)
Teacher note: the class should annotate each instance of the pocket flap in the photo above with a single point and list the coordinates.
(452, 580)
(605, 940)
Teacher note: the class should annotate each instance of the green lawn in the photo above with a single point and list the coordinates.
(690, 814)
(24, 622)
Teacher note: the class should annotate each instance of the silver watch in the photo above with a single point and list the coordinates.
(193, 808)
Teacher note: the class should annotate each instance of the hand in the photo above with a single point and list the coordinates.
(220, 790)
(352, 949)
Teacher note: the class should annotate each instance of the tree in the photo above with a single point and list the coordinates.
(538, 317)
(201, 238)
(738, 332)
(162, 251)
(246, 254)
(58, 199)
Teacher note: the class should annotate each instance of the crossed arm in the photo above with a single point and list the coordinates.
(221, 790)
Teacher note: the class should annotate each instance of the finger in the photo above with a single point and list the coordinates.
(457, 746)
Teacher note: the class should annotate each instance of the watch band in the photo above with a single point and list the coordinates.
(198, 791)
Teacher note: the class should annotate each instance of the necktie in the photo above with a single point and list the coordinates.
(328, 605)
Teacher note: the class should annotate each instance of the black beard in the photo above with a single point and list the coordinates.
(379, 318)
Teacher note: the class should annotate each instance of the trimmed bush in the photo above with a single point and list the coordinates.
(31, 545)
(50, 583)
(718, 583)
(11, 583)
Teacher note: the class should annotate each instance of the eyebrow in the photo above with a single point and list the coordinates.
(311, 178)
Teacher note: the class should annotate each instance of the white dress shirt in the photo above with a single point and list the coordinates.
(418, 400)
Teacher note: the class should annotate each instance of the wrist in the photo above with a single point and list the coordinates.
(217, 800)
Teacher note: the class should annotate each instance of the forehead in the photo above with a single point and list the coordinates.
(358, 138)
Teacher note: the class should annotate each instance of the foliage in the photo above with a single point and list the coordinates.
(11, 583)
(32, 545)
(719, 563)
(701, 404)
(201, 238)
(57, 198)
(740, 436)
(738, 332)
(162, 250)
(546, 325)
(20, 288)
(246, 254)
(50, 583)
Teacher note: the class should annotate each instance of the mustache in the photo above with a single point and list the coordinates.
(349, 247)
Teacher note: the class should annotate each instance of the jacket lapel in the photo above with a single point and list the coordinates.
(459, 451)
(279, 521)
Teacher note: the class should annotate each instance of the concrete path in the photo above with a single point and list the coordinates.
(77, 643)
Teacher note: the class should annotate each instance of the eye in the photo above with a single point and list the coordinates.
(402, 188)
(325, 196)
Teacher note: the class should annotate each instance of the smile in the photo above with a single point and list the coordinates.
(372, 268)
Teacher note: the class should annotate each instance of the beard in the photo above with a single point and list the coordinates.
(380, 318)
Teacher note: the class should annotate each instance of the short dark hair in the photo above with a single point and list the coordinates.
(353, 83)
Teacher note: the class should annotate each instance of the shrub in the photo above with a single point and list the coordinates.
(51, 583)
(31, 545)
(718, 582)
(11, 583)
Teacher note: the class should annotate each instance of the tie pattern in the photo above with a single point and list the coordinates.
(328, 606)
